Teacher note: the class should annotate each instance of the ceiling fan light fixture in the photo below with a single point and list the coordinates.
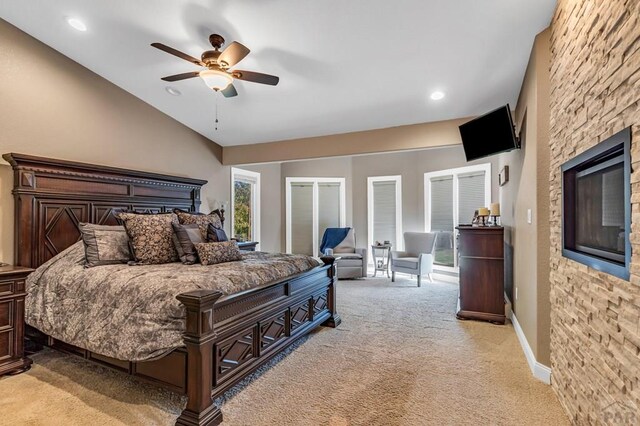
(216, 80)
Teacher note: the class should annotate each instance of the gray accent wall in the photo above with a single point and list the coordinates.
(411, 165)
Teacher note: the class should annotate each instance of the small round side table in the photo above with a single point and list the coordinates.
(381, 258)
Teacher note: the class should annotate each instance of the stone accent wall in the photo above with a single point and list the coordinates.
(595, 317)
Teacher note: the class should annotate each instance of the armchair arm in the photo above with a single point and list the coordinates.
(365, 261)
(363, 253)
(397, 254)
(425, 263)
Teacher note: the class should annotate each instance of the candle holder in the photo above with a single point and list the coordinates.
(494, 211)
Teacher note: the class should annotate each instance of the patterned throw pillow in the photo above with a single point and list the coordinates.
(151, 237)
(216, 235)
(212, 253)
(104, 245)
(184, 238)
(202, 220)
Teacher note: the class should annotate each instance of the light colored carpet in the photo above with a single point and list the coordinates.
(399, 358)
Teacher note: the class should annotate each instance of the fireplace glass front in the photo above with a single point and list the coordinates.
(597, 207)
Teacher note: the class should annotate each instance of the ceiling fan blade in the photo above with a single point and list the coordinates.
(177, 53)
(182, 76)
(229, 92)
(256, 77)
(233, 54)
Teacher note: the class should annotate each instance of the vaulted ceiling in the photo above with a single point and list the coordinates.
(343, 65)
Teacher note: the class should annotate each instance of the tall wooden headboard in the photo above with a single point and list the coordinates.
(53, 196)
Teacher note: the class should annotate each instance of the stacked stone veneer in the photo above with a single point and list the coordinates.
(595, 317)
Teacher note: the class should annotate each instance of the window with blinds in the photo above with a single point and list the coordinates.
(384, 212)
(471, 195)
(302, 218)
(442, 208)
(451, 198)
(442, 203)
(313, 205)
(328, 207)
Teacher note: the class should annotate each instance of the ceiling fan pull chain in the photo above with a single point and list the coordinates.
(216, 95)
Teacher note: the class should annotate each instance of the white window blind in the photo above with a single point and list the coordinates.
(313, 205)
(302, 218)
(471, 195)
(442, 203)
(328, 206)
(384, 211)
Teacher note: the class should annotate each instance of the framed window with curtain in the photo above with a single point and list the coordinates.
(450, 199)
(384, 210)
(245, 204)
(312, 205)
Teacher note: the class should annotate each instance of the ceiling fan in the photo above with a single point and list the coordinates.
(217, 74)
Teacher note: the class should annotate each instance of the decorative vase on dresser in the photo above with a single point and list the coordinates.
(12, 295)
(481, 262)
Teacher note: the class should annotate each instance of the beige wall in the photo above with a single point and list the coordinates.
(401, 138)
(74, 114)
(595, 317)
(527, 245)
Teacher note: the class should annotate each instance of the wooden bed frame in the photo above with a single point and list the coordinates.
(226, 338)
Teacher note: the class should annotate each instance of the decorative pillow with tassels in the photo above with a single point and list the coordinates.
(213, 253)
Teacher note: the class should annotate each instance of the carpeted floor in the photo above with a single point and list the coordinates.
(399, 358)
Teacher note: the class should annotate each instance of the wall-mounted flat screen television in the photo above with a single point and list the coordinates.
(489, 134)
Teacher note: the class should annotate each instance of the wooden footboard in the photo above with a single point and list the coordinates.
(227, 339)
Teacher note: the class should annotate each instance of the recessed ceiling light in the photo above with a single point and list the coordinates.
(77, 24)
(173, 91)
(437, 95)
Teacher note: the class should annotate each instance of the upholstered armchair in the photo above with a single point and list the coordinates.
(341, 243)
(417, 257)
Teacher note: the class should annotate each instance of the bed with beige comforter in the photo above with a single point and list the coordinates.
(131, 312)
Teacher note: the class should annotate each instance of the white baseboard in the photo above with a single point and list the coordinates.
(539, 371)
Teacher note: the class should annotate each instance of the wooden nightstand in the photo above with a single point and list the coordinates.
(12, 294)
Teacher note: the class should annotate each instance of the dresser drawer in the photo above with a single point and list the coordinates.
(8, 288)
(6, 314)
(6, 345)
(486, 244)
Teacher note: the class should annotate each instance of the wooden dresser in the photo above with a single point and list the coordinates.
(12, 294)
(481, 261)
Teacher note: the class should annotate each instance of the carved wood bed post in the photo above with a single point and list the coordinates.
(198, 338)
(334, 320)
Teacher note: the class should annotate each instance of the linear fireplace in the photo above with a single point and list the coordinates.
(596, 208)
